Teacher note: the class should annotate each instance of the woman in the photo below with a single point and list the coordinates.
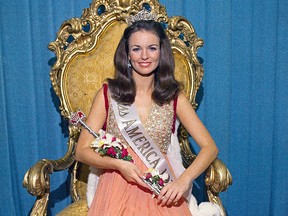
(144, 77)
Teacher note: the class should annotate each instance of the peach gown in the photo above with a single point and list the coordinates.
(117, 197)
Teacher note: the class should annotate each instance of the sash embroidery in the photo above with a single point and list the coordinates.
(139, 140)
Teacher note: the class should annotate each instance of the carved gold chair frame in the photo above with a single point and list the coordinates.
(84, 51)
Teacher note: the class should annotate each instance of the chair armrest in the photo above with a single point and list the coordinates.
(37, 178)
(217, 179)
(37, 183)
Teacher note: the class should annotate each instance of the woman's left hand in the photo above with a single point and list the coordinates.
(172, 192)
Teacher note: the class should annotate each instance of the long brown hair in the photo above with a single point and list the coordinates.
(122, 87)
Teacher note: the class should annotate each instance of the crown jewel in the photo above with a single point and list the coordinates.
(140, 16)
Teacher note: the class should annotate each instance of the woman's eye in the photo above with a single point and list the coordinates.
(153, 48)
(136, 49)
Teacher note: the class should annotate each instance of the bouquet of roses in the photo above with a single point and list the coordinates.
(108, 145)
(155, 180)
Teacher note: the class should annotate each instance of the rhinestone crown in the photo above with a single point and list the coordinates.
(141, 15)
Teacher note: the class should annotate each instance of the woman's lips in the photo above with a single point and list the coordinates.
(144, 64)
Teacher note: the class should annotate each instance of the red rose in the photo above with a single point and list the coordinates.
(148, 175)
(124, 153)
(161, 182)
(111, 151)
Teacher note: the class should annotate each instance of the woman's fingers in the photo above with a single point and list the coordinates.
(169, 198)
(138, 178)
(140, 182)
(132, 174)
(161, 196)
(172, 198)
(170, 194)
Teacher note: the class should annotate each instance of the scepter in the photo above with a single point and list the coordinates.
(77, 118)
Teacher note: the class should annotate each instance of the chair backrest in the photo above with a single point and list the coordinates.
(85, 48)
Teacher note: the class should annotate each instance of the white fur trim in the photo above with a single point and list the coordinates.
(92, 184)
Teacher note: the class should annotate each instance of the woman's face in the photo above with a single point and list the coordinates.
(144, 52)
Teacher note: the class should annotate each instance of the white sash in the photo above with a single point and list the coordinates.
(135, 134)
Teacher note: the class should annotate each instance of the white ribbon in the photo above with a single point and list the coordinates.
(135, 134)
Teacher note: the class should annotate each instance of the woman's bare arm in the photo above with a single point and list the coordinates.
(208, 152)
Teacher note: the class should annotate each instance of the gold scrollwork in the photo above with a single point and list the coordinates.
(217, 180)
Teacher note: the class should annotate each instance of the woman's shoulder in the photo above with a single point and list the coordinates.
(182, 97)
(101, 93)
(103, 89)
(183, 104)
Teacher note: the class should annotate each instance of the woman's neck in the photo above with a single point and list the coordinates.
(144, 85)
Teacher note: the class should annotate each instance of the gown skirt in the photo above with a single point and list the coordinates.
(116, 197)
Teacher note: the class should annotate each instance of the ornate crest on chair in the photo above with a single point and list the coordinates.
(84, 51)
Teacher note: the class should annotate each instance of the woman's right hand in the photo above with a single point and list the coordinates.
(131, 173)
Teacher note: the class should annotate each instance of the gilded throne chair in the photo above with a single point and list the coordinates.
(84, 50)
